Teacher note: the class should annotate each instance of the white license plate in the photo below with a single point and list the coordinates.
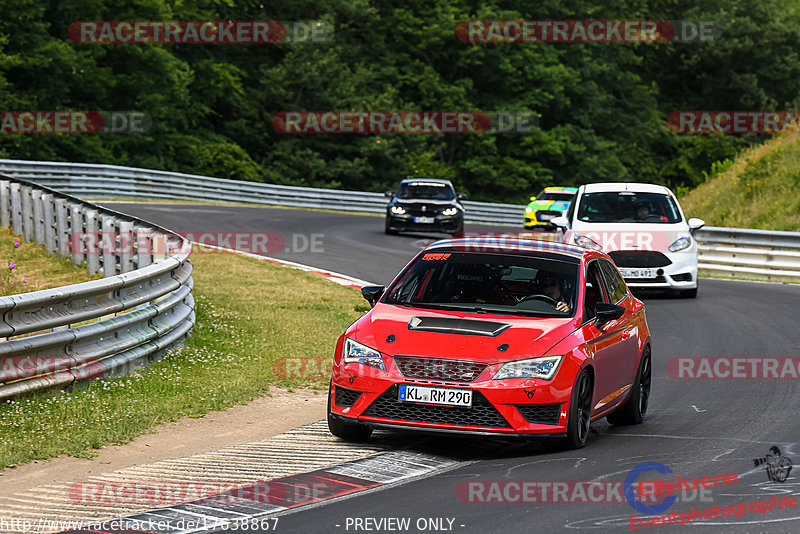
(638, 273)
(425, 220)
(546, 217)
(445, 396)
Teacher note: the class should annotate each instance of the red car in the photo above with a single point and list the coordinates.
(490, 336)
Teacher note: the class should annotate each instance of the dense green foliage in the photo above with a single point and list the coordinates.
(602, 107)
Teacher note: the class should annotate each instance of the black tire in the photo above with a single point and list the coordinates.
(353, 432)
(689, 293)
(388, 229)
(635, 408)
(580, 412)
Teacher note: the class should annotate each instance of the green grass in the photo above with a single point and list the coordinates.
(249, 314)
(759, 190)
(35, 268)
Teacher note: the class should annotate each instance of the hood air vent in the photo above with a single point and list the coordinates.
(446, 325)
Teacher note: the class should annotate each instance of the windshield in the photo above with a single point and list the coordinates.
(433, 190)
(561, 197)
(488, 283)
(628, 207)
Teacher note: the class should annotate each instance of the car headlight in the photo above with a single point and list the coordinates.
(585, 242)
(543, 367)
(528, 209)
(680, 244)
(398, 210)
(358, 353)
(450, 211)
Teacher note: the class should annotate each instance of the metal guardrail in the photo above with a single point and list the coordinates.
(98, 181)
(747, 253)
(732, 252)
(100, 328)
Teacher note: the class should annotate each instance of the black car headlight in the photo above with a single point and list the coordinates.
(450, 211)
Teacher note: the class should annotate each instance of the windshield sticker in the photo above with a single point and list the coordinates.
(433, 256)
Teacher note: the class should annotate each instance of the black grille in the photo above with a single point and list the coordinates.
(545, 414)
(345, 397)
(438, 369)
(482, 413)
(656, 280)
(683, 277)
(639, 258)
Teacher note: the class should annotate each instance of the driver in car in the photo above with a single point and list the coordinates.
(550, 285)
(642, 211)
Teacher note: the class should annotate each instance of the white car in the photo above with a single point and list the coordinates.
(642, 228)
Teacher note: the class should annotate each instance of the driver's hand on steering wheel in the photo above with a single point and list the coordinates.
(562, 306)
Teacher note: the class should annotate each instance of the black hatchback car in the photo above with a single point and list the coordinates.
(425, 204)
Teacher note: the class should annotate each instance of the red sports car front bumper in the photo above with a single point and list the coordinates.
(512, 406)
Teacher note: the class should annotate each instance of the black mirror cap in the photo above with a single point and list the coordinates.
(606, 312)
(372, 294)
(388, 194)
(461, 196)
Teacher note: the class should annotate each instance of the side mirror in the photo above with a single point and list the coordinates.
(388, 194)
(606, 312)
(533, 199)
(561, 222)
(695, 224)
(372, 294)
(461, 196)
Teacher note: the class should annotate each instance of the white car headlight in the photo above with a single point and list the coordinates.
(398, 210)
(528, 209)
(450, 211)
(358, 353)
(585, 242)
(680, 244)
(543, 367)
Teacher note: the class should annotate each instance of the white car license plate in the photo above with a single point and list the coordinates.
(446, 396)
(547, 217)
(638, 273)
(425, 220)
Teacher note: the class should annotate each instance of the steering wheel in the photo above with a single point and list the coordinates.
(539, 297)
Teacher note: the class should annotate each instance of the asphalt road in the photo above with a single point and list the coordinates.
(697, 428)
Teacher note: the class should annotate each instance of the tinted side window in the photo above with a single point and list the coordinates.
(571, 209)
(614, 282)
(594, 291)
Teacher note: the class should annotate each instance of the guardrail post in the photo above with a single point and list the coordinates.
(38, 216)
(144, 247)
(48, 220)
(27, 213)
(5, 203)
(108, 244)
(125, 246)
(76, 233)
(62, 227)
(91, 245)
(16, 208)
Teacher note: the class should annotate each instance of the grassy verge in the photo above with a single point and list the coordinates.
(249, 314)
(34, 268)
(758, 190)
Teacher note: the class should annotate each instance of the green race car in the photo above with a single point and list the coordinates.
(552, 202)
